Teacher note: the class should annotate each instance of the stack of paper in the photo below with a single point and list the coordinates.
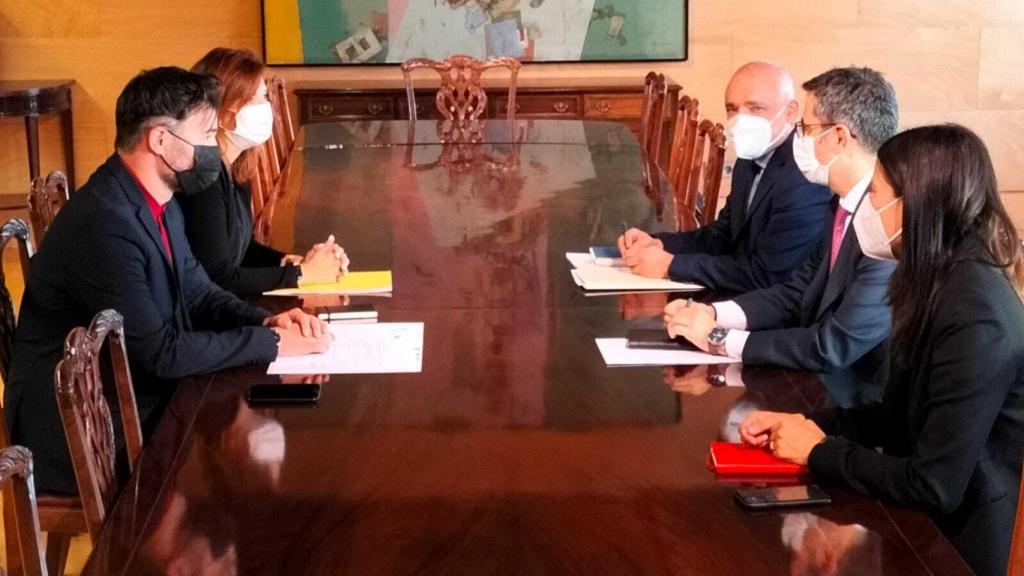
(384, 348)
(590, 276)
(352, 283)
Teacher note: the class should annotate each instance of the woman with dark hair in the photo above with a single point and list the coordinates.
(218, 219)
(948, 436)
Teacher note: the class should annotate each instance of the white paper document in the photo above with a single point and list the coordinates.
(383, 348)
(580, 259)
(590, 276)
(617, 353)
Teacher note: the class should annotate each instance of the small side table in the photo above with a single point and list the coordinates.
(30, 99)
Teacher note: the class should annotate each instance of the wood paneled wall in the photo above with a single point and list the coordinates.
(954, 60)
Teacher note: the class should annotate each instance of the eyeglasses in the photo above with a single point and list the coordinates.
(802, 128)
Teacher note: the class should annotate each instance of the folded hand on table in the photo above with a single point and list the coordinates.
(691, 320)
(324, 263)
(300, 333)
(644, 254)
(788, 436)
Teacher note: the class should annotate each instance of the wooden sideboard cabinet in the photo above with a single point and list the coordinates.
(619, 99)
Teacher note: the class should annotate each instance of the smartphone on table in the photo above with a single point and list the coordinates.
(657, 339)
(284, 393)
(770, 497)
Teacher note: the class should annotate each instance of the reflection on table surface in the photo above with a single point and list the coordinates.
(370, 133)
(516, 450)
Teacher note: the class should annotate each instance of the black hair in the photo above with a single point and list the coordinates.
(160, 94)
(950, 196)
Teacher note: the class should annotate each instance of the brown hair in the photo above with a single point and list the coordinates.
(239, 72)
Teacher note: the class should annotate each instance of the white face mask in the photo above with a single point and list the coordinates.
(807, 161)
(254, 124)
(750, 135)
(874, 241)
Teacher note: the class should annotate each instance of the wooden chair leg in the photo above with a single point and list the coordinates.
(13, 548)
(57, 546)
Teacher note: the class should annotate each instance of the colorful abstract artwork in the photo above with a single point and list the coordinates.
(392, 31)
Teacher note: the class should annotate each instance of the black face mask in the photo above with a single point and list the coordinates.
(204, 171)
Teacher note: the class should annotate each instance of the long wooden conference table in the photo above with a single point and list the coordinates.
(516, 450)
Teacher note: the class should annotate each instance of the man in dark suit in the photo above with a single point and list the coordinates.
(773, 216)
(120, 243)
(832, 312)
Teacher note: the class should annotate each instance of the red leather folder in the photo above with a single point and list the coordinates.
(729, 459)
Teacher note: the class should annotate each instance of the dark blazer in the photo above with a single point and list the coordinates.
(951, 427)
(744, 250)
(821, 320)
(104, 251)
(218, 223)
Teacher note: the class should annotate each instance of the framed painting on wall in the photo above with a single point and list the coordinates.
(351, 32)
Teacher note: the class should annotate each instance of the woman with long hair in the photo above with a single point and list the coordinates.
(949, 434)
(218, 220)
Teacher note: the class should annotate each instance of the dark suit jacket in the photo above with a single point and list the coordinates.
(104, 251)
(951, 427)
(821, 320)
(218, 223)
(744, 250)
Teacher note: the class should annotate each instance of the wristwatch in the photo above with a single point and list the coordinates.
(716, 340)
(277, 337)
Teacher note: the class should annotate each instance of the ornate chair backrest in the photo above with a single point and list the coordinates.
(14, 229)
(284, 131)
(263, 185)
(88, 424)
(652, 114)
(706, 172)
(16, 483)
(684, 141)
(461, 97)
(45, 199)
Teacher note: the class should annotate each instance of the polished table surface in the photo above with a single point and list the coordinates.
(516, 450)
(401, 132)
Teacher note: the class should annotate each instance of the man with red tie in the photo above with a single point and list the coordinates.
(832, 312)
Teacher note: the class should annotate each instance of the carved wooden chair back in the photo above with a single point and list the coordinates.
(461, 97)
(45, 199)
(14, 229)
(16, 483)
(284, 132)
(705, 179)
(88, 424)
(684, 142)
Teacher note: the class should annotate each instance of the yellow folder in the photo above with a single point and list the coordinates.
(378, 282)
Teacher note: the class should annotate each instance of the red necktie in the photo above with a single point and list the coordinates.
(838, 231)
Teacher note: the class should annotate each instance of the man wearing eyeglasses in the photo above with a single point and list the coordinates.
(832, 311)
(773, 216)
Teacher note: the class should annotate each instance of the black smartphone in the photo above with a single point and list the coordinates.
(284, 393)
(654, 338)
(781, 496)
